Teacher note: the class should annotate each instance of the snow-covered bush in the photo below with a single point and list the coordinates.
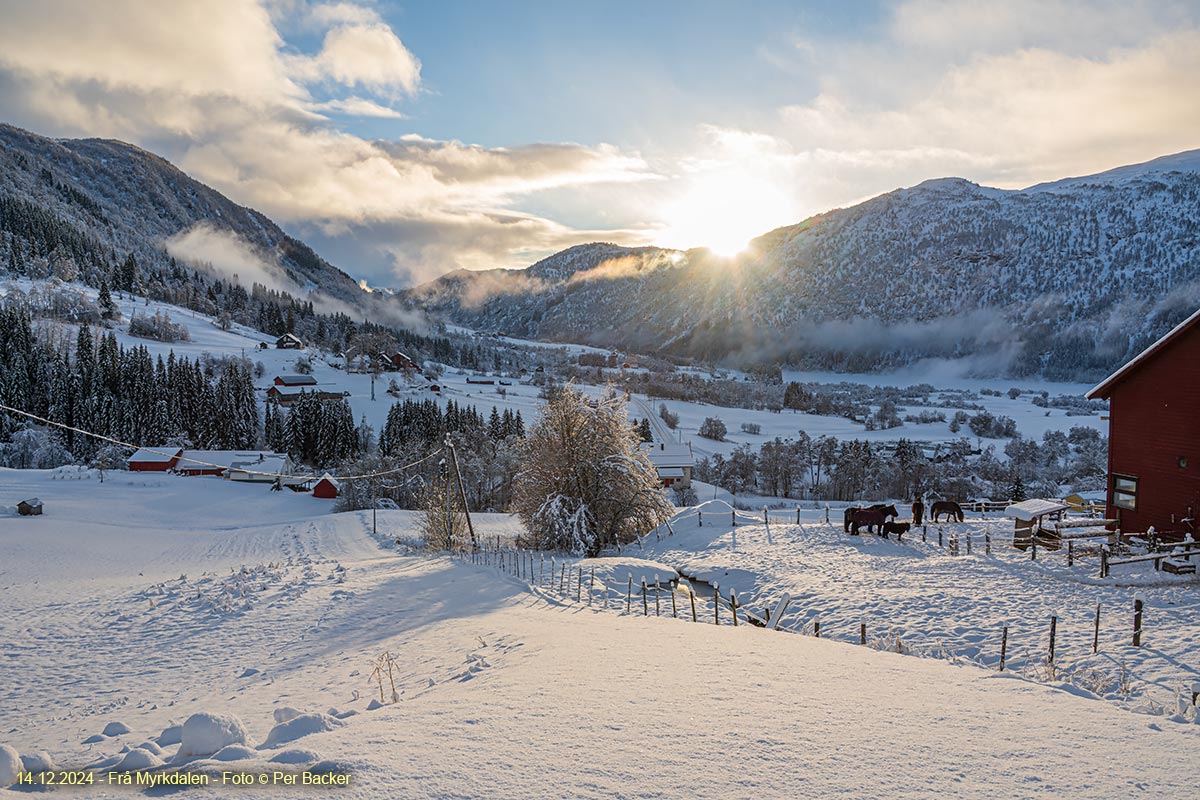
(158, 327)
(713, 428)
(33, 448)
(752, 428)
(684, 496)
(10, 766)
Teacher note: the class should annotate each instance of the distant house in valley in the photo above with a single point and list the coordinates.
(30, 508)
(1154, 434)
(154, 459)
(295, 380)
(263, 469)
(284, 397)
(326, 487)
(401, 361)
(674, 462)
(289, 341)
(394, 362)
(219, 462)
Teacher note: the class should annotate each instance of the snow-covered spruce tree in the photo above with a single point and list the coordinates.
(582, 483)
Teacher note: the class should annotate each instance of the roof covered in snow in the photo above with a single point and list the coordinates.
(211, 459)
(156, 455)
(1103, 389)
(1029, 510)
(668, 454)
(296, 380)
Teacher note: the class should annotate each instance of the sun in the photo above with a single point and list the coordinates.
(723, 211)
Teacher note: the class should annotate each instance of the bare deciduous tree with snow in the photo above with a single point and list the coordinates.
(583, 484)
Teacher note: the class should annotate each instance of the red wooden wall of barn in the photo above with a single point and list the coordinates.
(1155, 421)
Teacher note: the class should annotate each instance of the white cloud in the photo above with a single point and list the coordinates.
(369, 55)
(216, 89)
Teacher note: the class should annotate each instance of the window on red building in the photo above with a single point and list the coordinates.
(1125, 491)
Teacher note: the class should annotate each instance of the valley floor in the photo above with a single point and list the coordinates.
(503, 692)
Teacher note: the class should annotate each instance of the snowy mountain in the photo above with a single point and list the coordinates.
(106, 195)
(1065, 279)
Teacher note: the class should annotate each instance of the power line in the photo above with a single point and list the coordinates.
(168, 454)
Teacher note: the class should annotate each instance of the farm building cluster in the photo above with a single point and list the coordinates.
(247, 466)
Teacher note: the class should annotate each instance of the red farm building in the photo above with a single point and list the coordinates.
(326, 488)
(155, 459)
(1154, 435)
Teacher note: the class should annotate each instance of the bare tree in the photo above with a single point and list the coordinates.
(583, 484)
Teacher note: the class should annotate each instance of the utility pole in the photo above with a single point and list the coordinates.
(374, 505)
(461, 489)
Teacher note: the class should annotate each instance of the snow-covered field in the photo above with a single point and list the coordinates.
(147, 599)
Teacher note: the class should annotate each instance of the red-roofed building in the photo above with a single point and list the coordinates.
(1154, 434)
(155, 459)
(326, 488)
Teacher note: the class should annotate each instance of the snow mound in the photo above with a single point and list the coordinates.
(150, 747)
(38, 762)
(95, 737)
(115, 729)
(234, 752)
(287, 714)
(295, 756)
(301, 726)
(205, 734)
(10, 766)
(615, 572)
(172, 734)
(138, 759)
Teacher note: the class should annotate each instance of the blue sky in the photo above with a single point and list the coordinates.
(405, 140)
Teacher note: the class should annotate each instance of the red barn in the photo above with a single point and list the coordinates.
(1154, 434)
(155, 459)
(326, 488)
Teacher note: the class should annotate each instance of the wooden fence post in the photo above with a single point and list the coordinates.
(733, 516)
(797, 515)
(924, 532)
(657, 589)
(1003, 647)
(1070, 552)
(700, 519)
(1033, 545)
(692, 597)
(1053, 630)
(817, 628)
(629, 593)
(987, 543)
(1137, 622)
(562, 578)
(862, 633)
(1096, 631)
(716, 606)
(645, 604)
(733, 606)
(968, 543)
(579, 584)
(765, 520)
(1104, 561)
(674, 613)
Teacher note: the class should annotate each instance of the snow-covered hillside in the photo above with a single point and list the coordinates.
(1066, 279)
(133, 623)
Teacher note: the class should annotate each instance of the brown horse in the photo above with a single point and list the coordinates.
(871, 517)
(852, 510)
(951, 509)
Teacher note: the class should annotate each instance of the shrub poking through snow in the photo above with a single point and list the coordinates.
(205, 734)
(583, 484)
(384, 663)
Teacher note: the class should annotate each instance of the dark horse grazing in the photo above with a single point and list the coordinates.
(871, 517)
(852, 510)
(898, 528)
(952, 510)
